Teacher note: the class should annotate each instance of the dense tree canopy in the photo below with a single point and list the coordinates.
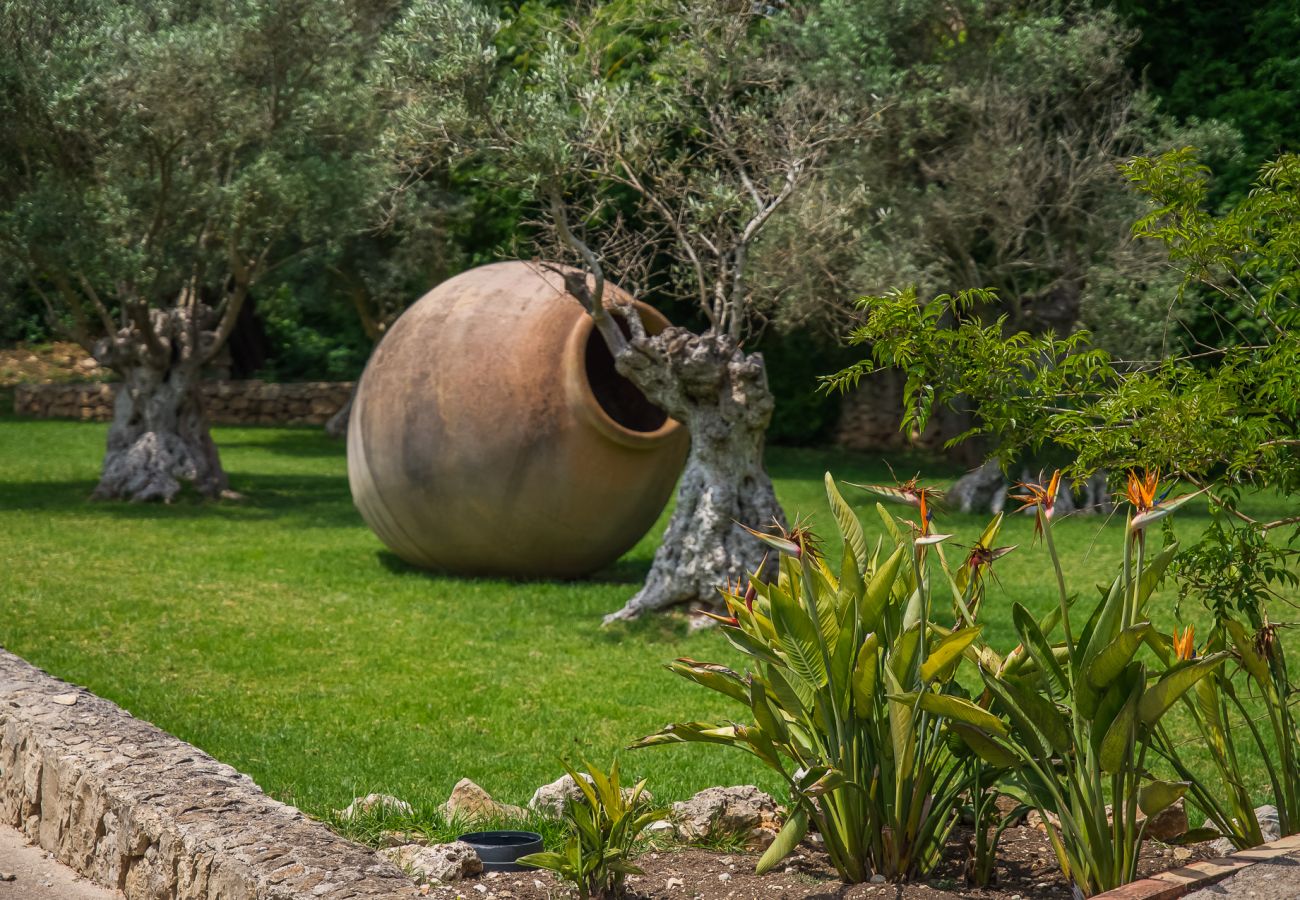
(158, 160)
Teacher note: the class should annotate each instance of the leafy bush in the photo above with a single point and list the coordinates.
(1224, 417)
(606, 823)
(852, 676)
(1082, 715)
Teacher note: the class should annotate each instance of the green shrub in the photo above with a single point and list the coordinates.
(605, 825)
(852, 676)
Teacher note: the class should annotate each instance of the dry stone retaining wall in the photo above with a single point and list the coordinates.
(227, 402)
(133, 808)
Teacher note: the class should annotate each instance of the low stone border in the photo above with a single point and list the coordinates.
(1184, 880)
(130, 807)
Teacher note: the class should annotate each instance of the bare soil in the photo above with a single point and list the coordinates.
(1026, 869)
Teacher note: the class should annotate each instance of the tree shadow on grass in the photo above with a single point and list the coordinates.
(630, 572)
(308, 442)
(310, 500)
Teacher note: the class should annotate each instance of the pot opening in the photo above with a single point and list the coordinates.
(621, 400)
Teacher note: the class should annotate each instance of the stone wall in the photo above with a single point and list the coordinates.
(872, 413)
(133, 808)
(227, 402)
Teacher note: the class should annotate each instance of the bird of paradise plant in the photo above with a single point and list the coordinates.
(1223, 718)
(1077, 718)
(849, 682)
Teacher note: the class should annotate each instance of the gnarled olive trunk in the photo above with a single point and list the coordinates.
(159, 437)
(709, 384)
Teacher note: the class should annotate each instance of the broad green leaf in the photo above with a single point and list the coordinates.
(1040, 714)
(902, 655)
(786, 840)
(879, 589)
(1157, 796)
(891, 527)
(956, 708)
(715, 677)
(1112, 660)
(689, 732)
(1028, 739)
(820, 780)
(549, 860)
(943, 658)
(902, 726)
(850, 528)
(851, 583)
(798, 639)
(795, 697)
(985, 746)
(1116, 751)
(1173, 684)
(766, 718)
(1152, 572)
(864, 676)
(1036, 644)
(751, 646)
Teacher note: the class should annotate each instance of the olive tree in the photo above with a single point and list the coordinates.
(658, 141)
(996, 165)
(161, 158)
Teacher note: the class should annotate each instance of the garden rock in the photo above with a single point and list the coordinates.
(1167, 824)
(471, 802)
(742, 810)
(1034, 819)
(441, 862)
(1270, 828)
(361, 806)
(550, 799)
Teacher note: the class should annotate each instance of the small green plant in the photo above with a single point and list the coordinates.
(850, 680)
(606, 824)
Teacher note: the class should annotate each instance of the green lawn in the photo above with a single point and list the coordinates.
(279, 635)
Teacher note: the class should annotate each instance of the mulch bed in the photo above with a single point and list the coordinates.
(1026, 869)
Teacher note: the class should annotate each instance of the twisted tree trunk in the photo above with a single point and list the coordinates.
(160, 436)
(720, 394)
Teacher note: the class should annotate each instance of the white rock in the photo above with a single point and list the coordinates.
(674, 883)
(877, 878)
(371, 802)
(742, 810)
(1270, 828)
(724, 876)
(469, 801)
(441, 862)
(550, 799)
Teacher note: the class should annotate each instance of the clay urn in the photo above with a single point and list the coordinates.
(490, 433)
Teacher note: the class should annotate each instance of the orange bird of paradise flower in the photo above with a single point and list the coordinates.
(1185, 646)
(1042, 498)
(1140, 491)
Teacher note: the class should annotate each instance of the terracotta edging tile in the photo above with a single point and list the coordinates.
(1180, 881)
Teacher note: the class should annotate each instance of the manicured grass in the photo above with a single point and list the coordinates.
(279, 635)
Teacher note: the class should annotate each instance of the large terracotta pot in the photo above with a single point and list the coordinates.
(490, 433)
